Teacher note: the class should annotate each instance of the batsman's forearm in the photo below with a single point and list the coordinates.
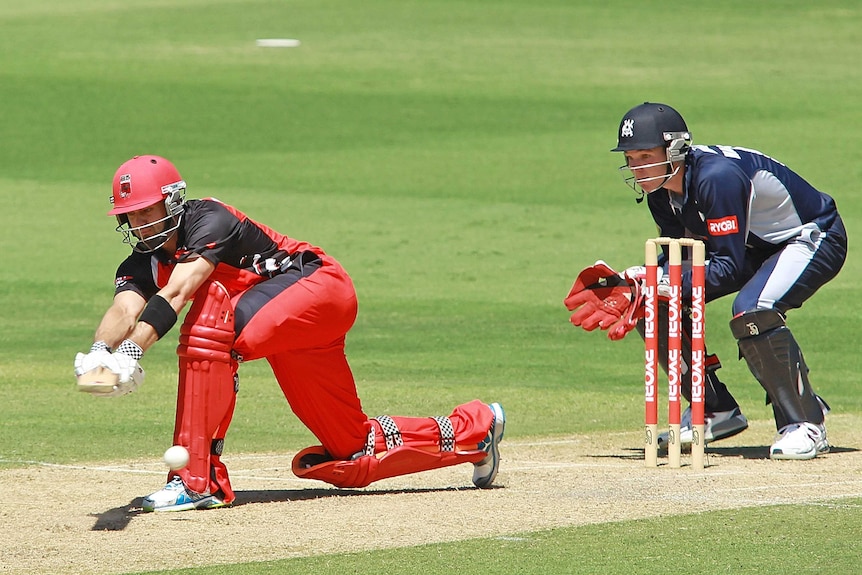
(120, 319)
(144, 335)
(115, 326)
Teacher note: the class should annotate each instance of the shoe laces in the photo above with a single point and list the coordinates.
(175, 484)
(815, 432)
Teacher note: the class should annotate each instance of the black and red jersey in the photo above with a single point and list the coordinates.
(243, 251)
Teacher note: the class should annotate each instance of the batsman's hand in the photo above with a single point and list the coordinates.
(86, 362)
(90, 371)
(604, 298)
(129, 373)
(104, 374)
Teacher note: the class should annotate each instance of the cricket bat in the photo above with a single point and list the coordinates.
(98, 381)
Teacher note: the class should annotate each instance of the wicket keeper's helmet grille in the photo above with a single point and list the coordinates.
(650, 125)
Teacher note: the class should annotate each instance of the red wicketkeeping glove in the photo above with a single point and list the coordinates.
(603, 298)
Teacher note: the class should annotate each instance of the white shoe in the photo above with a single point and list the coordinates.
(718, 425)
(800, 441)
(485, 471)
(175, 497)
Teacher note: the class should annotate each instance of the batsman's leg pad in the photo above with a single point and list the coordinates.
(218, 471)
(398, 459)
(775, 360)
(207, 389)
(313, 463)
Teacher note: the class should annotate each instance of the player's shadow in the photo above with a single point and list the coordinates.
(762, 452)
(118, 518)
(745, 452)
(283, 495)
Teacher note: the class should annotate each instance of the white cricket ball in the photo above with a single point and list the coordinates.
(176, 457)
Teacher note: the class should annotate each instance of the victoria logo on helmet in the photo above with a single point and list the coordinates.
(627, 130)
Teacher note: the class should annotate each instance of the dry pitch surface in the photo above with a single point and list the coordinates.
(87, 519)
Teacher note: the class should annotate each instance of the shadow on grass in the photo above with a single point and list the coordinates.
(118, 518)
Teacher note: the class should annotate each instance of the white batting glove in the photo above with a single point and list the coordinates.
(90, 361)
(126, 366)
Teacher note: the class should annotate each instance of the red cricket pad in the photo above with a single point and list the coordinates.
(206, 395)
(363, 470)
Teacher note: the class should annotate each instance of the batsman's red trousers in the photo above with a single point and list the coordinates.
(300, 329)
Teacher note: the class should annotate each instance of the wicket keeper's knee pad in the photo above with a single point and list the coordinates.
(207, 393)
(775, 360)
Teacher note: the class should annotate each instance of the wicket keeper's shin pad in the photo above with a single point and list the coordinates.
(207, 393)
(775, 360)
(717, 397)
(403, 445)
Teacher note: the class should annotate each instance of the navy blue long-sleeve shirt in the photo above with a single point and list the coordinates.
(738, 200)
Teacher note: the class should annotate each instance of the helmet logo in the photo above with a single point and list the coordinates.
(627, 129)
(125, 185)
(171, 188)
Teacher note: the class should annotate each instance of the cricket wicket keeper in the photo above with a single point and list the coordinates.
(771, 238)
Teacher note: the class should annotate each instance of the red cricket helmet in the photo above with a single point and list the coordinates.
(141, 182)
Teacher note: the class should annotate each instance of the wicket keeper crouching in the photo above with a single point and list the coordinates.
(771, 238)
(256, 294)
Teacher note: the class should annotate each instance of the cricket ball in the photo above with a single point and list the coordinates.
(176, 457)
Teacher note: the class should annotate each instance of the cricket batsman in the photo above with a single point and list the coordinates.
(772, 239)
(255, 294)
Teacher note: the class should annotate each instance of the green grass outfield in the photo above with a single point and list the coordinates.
(454, 157)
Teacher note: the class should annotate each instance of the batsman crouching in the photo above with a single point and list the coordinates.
(257, 294)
